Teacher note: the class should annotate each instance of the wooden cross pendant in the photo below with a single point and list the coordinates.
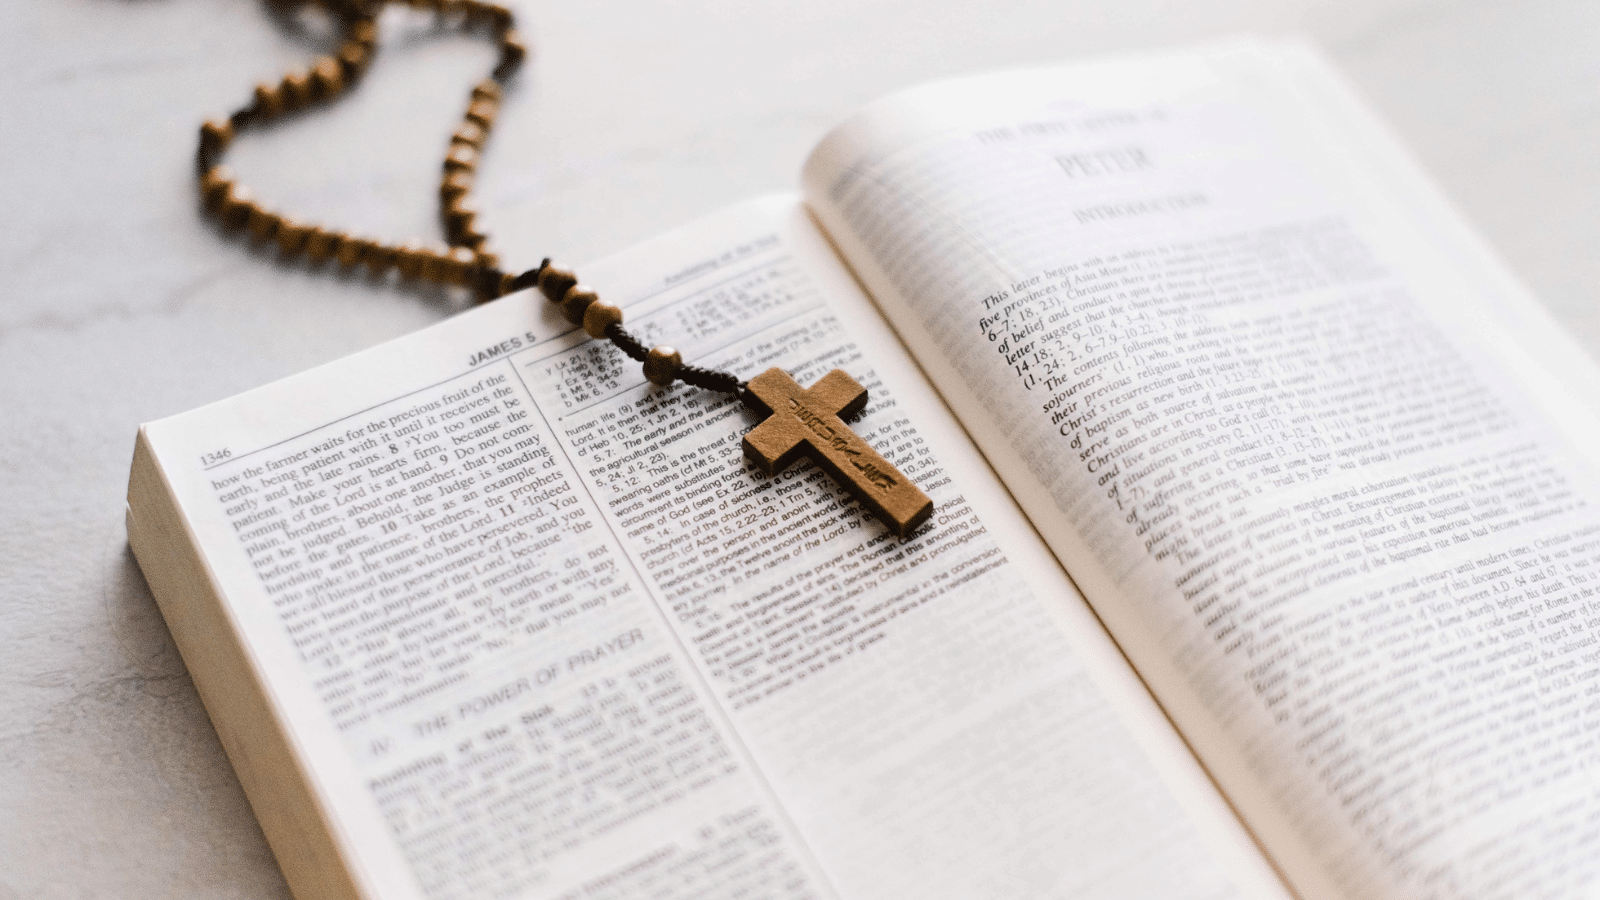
(808, 422)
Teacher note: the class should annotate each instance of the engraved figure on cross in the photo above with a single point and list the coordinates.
(809, 422)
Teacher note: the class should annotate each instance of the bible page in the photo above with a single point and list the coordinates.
(541, 630)
(1322, 467)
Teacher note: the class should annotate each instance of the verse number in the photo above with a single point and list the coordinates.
(215, 456)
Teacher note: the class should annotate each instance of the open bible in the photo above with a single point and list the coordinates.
(482, 613)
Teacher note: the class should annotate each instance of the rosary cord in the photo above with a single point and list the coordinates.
(707, 379)
(466, 262)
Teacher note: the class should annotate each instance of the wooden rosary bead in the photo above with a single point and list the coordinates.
(291, 235)
(487, 89)
(461, 158)
(512, 52)
(320, 244)
(482, 112)
(487, 260)
(458, 266)
(214, 185)
(459, 218)
(408, 259)
(445, 267)
(600, 316)
(554, 282)
(429, 261)
(235, 206)
(577, 302)
(216, 133)
(363, 31)
(455, 186)
(472, 240)
(662, 365)
(262, 224)
(296, 89)
(470, 134)
(347, 250)
(269, 100)
(379, 257)
(353, 59)
(327, 77)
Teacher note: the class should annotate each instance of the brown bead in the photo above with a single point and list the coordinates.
(408, 259)
(472, 240)
(379, 257)
(363, 31)
(662, 365)
(554, 282)
(577, 302)
(214, 185)
(428, 263)
(508, 281)
(236, 204)
(353, 59)
(457, 266)
(446, 265)
(327, 78)
(461, 158)
(488, 260)
(262, 224)
(487, 89)
(512, 49)
(347, 250)
(482, 112)
(452, 8)
(291, 236)
(269, 100)
(320, 244)
(455, 186)
(600, 316)
(296, 89)
(470, 134)
(217, 133)
(459, 218)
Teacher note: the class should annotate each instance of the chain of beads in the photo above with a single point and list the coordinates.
(465, 261)
(599, 319)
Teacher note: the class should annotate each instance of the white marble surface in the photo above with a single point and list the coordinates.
(120, 304)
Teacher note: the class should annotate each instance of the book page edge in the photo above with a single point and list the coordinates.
(317, 862)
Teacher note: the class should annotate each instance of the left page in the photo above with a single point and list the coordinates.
(537, 629)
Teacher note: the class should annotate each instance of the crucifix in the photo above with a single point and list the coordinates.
(809, 422)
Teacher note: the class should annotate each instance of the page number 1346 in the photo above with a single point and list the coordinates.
(212, 458)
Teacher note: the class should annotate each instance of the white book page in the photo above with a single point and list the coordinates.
(540, 629)
(1321, 466)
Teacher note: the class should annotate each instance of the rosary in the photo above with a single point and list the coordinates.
(799, 421)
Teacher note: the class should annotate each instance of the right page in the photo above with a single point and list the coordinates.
(1323, 468)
